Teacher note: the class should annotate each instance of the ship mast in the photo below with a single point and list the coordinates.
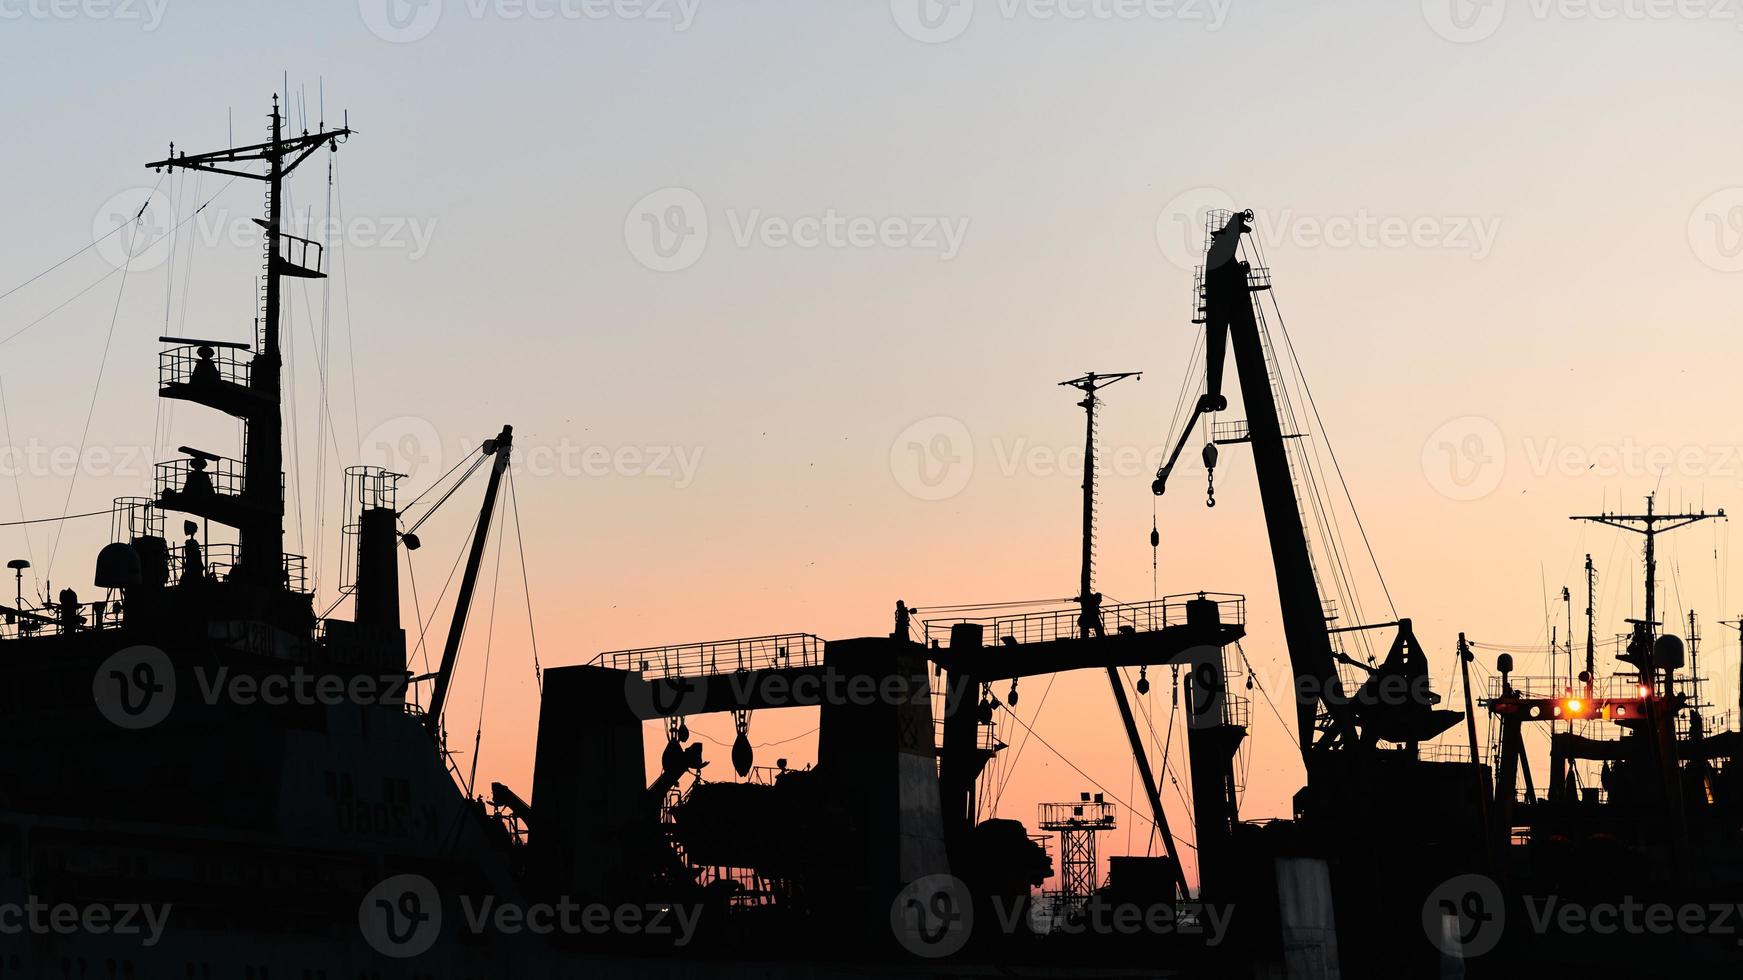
(1650, 524)
(257, 512)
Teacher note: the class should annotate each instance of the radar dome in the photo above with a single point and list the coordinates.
(118, 567)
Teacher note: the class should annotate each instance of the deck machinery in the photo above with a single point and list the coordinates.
(890, 800)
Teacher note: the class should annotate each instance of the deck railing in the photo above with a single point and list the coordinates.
(712, 657)
(1064, 623)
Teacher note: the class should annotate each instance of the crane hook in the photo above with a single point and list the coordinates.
(1210, 454)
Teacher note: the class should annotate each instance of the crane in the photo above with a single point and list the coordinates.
(1321, 704)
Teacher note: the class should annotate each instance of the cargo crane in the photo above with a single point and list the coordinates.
(1374, 829)
(1226, 290)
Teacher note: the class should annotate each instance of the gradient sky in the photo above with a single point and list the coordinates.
(1554, 325)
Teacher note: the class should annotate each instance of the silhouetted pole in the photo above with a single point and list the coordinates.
(1591, 627)
(1089, 384)
(1089, 618)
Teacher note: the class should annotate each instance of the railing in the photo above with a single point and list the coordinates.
(1060, 624)
(178, 365)
(54, 620)
(1084, 814)
(1450, 752)
(299, 251)
(719, 656)
(220, 559)
(1617, 686)
(1215, 220)
(135, 517)
(1236, 431)
(222, 476)
(986, 737)
(1237, 711)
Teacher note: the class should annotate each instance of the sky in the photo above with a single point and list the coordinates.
(777, 296)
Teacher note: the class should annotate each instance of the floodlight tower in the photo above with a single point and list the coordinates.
(1077, 825)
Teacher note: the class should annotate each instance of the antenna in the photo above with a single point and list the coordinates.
(1089, 384)
(1651, 524)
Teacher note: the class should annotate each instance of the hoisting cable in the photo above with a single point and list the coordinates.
(1167, 764)
(1155, 549)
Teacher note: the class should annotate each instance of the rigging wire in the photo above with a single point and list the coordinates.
(1010, 770)
(489, 647)
(1167, 762)
(424, 626)
(993, 605)
(323, 350)
(758, 745)
(112, 272)
(479, 461)
(526, 583)
(345, 270)
(1319, 423)
(97, 386)
(1092, 781)
(18, 487)
(92, 244)
(63, 517)
(417, 610)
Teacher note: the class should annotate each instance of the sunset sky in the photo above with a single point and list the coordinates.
(726, 265)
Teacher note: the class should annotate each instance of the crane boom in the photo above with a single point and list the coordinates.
(1231, 320)
(1229, 316)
